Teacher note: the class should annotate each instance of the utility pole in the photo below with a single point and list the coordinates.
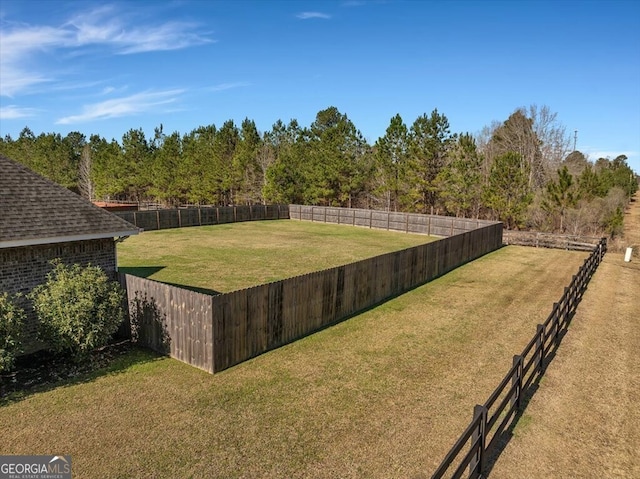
(575, 139)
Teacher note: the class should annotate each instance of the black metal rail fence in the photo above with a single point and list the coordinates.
(480, 440)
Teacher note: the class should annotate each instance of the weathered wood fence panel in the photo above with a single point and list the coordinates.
(202, 216)
(549, 240)
(217, 332)
(408, 222)
(170, 320)
(491, 419)
(251, 321)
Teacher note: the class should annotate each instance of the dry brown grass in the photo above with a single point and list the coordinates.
(584, 422)
(382, 395)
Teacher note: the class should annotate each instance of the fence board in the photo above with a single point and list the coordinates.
(200, 216)
(172, 320)
(408, 222)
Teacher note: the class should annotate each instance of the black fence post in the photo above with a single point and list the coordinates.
(556, 321)
(540, 347)
(516, 382)
(477, 464)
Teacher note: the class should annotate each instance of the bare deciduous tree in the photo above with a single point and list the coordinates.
(555, 144)
(85, 183)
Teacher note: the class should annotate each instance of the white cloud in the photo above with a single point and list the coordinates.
(308, 15)
(21, 44)
(13, 112)
(104, 26)
(18, 46)
(228, 86)
(126, 106)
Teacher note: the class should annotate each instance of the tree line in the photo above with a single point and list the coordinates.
(520, 171)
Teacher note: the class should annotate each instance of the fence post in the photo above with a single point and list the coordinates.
(429, 227)
(556, 321)
(370, 218)
(325, 215)
(158, 218)
(540, 346)
(179, 218)
(476, 466)
(135, 218)
(199, 216)
(516, 381)
(217, 215)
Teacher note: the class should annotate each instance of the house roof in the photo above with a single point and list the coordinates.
(34, 210)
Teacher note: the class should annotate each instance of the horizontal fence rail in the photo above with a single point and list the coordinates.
(492, 418)
(549, 240)
(408, 222)
(233, 327)
(202, 216)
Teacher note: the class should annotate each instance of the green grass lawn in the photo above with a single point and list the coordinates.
(228, 257)
(382, 395)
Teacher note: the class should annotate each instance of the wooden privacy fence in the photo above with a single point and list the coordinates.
(170, 320)
(202, 216)
(432, 225)
(217, 332)
(479, 440)
(549, 240)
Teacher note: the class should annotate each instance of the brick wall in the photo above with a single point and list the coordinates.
(23, 268)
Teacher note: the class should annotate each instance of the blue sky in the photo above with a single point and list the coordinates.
(105, 68)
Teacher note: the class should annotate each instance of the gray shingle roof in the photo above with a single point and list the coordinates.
(34, 210)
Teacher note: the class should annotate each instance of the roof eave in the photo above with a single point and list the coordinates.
(66, 239)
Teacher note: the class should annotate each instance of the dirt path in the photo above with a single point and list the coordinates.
(584, 422)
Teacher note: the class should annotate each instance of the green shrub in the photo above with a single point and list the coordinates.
(12, 318)
(79, 309)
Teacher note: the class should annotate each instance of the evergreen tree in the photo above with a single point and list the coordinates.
(336, 151)
(459, 182)
(508, 193)
(136, 158)
(429, 142)
(247, 174)
(391, 156)
(108, 170)
(288, 177)
(164, 177)
(560, 196)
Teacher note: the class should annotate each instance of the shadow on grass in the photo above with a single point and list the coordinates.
(505, 437)
(195, 289)
(44, 371)
(141, 271)
(146, 271)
